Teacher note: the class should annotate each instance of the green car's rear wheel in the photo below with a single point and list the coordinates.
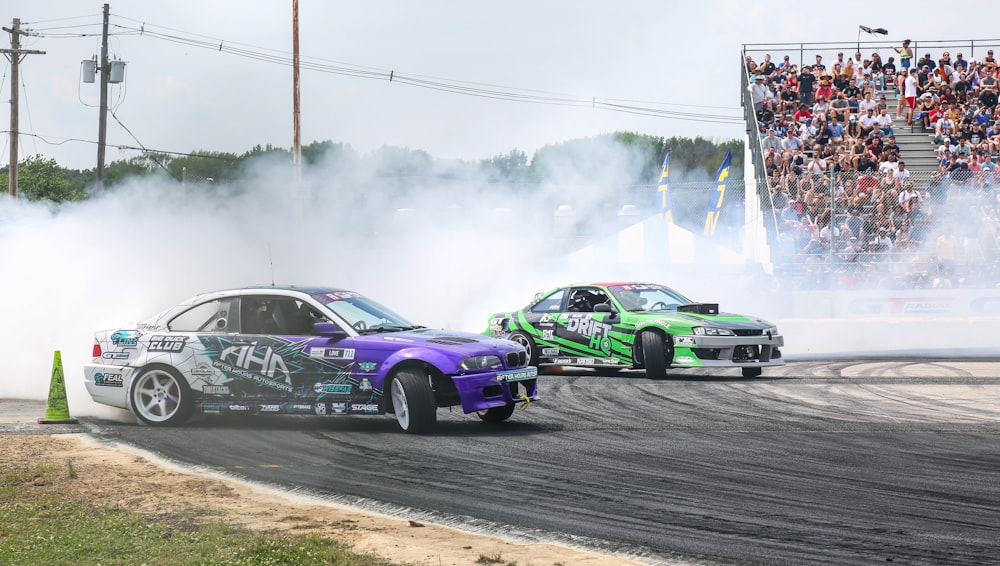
(529, 345)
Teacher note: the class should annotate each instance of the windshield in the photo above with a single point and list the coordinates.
(364, 314)
(646, 298)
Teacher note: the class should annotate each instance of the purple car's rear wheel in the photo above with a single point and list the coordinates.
(413, 401)
(160, 396)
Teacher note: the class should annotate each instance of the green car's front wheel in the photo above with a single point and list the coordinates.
(657, 353)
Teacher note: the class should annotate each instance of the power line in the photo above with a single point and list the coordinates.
(466, 88)
(51, 140)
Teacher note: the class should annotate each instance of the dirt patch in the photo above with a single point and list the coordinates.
(174, 495)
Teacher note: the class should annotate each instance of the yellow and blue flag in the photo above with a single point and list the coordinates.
(715, 206)
(666, 210)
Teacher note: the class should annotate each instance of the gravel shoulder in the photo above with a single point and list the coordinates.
(160, 490)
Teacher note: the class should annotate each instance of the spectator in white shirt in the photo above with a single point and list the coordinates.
(885, 123)
(901, 175)
(868, 122)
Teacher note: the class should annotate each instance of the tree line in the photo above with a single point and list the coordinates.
(43, 179)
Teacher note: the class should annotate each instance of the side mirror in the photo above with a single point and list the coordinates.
(328, 329)
(603, 307)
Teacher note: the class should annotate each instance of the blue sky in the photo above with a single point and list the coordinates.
(674, 57)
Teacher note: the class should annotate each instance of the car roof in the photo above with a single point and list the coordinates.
(610, 284)
(311, 290)
(276, 289)
(288, 290)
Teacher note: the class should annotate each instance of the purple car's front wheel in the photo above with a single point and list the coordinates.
(413, 401)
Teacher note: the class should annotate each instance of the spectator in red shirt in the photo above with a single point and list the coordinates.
(802, 114)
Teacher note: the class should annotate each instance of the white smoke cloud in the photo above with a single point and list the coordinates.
(466, 248)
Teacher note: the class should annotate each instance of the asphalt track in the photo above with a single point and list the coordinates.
(845, 462)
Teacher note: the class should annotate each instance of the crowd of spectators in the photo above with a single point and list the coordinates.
(845, 201)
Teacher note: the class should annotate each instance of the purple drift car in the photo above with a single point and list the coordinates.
(289, 350)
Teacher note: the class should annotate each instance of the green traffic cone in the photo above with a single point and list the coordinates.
(57, 409)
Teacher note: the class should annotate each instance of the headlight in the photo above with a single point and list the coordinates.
(480, 362)
(773, 331)
(712, 331)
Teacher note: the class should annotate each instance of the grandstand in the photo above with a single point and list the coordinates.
(857, 190)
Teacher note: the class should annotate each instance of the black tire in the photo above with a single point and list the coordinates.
(523, 339)
(160, 396)
(752, 372)
(655, 354)
(412, 401)
(496, 414)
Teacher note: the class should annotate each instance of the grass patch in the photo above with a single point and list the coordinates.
(493, 559)
(42, 521)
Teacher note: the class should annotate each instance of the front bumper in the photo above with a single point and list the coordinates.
(728, 351)
(481, 391)
(108, 385)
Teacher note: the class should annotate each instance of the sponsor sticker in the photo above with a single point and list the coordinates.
(519, 375)
(202, 370)
(364, 407)
(547, 334)
(125, 337)
(116, 355)
(367, 366)
(167, 343)
(333, 388)
(332, 353)
(365, 385)
(338, 407)
(270, 408)
(238, 408)
(320, 408)
(108, 379)
(597, 332)
(550, 351)
(215, 390)
(211, 408)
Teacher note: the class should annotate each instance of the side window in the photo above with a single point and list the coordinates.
(584, 300)
(297, 318)
(552, 303)
(278, 315)
(213, 316)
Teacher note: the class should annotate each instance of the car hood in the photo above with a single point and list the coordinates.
(721, 320)
(443, 339)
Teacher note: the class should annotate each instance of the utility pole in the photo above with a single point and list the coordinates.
(14, 55)
(296, 138)
(102, 128)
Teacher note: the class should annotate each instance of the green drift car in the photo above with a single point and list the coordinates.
(637, 325)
